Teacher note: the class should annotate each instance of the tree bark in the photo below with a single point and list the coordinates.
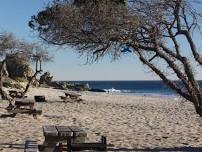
(29, 83)
(2, 91)
(197, 103)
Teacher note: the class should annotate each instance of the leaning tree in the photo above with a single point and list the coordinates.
(37, 56)
(22, 51)
(154, 30)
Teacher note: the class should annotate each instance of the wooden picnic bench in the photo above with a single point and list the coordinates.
(20, 102)
(15, 94)
(24, 106)
(97, 146)
(71, 96)
(62, 134)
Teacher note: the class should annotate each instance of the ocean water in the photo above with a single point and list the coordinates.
(141, 88)
(145, 88)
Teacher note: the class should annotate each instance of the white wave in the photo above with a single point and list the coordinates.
(112, 90)
(127, 91)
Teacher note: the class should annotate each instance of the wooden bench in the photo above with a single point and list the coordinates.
(100, 146)
(71, 96)
(65, 98)
(33, 112)
(15, 94)
(60, 134)
(31, 146)
(24, 106)
(24, 103)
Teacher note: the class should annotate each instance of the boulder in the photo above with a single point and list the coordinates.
(81, 87)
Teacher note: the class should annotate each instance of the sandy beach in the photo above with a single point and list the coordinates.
(129, 122)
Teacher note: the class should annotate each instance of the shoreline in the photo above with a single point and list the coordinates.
(130, 122)
(151, 95)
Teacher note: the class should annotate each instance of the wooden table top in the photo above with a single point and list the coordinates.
(64, 131)
(72, 94)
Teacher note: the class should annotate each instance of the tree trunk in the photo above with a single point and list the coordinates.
(29, 83)
(199, 110)
(2, 91)
(197, 101)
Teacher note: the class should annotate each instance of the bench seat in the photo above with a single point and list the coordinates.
(31, 146)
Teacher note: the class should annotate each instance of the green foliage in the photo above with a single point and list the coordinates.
(77, 87)
(17, 66)
(17, 86)
(46, 78)
(9, 83)
(20, 79)
(121, 1)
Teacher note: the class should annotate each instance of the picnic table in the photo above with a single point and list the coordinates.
(14, 93)
(71, 96)
(23, 106)
(19, 102)
(61, 134)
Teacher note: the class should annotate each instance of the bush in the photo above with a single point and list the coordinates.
(20, 79)
(9, 83)
(46, 78)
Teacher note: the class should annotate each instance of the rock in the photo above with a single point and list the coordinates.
(70, 86)
(35, 83)
(81, 87)
(97, 90)
(58, 85)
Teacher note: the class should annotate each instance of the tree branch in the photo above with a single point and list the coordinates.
(30, 82)
(163, 77)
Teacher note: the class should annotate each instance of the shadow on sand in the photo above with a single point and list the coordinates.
(175, 149)
(7, 115)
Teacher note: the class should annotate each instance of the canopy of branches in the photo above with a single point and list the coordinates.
(24, 51)
(152, 29)
(92, 25)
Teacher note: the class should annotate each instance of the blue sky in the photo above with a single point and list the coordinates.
(67, 65)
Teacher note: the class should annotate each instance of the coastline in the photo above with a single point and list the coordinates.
(150, 95)
(132, 122)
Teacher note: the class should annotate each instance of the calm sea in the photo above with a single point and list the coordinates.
(146, 88)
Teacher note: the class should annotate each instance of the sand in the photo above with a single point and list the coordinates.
(129, 122)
